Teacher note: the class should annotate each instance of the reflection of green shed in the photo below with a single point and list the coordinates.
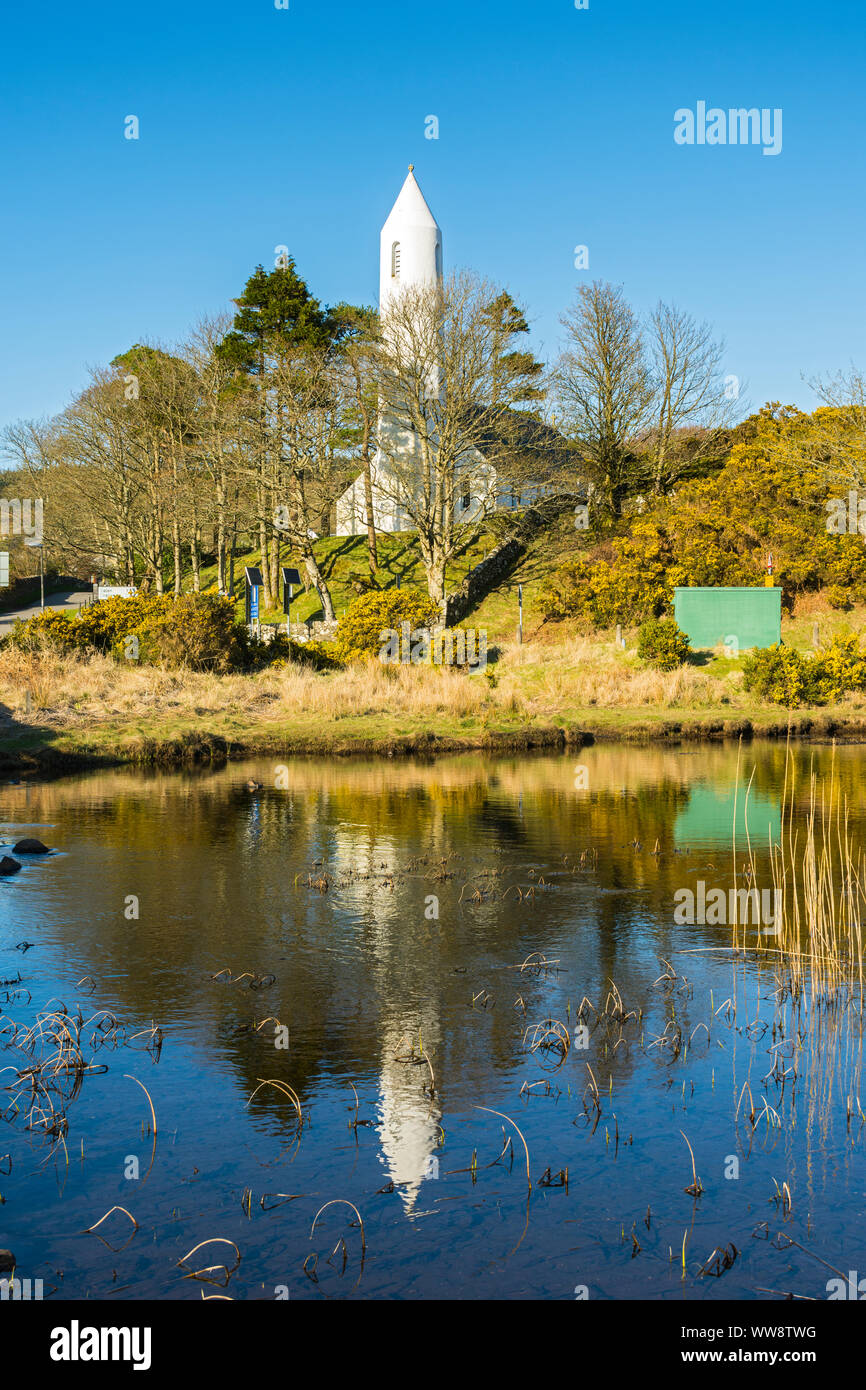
(709, 819)
(738, 618)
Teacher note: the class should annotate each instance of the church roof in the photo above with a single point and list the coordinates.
(518, 440)
(410, 209)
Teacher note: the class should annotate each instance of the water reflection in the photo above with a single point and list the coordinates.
(393, 904)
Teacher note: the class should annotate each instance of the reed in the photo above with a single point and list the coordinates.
(207, 1274)
(819, 890)
(341, 1201)
(696, 1188)
(499, 1115)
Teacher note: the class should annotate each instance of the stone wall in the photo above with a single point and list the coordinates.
(318, 631)
(490, 572)
(498, 564)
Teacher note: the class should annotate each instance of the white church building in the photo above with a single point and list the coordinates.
(410, 255)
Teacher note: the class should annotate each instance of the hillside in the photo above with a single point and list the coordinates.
(344, 559)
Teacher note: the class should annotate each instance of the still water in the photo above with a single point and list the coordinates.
(355, 931)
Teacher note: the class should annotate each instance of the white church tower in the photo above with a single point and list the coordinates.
(410, 255)
(410, 248)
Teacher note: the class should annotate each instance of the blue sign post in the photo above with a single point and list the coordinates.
(253, 577)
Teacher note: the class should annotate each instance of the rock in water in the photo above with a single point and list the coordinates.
(8, 866)
(30, 847)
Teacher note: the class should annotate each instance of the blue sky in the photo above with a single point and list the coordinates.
(261, 127)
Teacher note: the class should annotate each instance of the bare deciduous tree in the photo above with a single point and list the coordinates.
(688, 391)
(839, 430)
(451, 377)
(605, 388)
(309, 428)
(357, 346)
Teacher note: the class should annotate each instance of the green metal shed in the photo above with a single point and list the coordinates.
(728, 616)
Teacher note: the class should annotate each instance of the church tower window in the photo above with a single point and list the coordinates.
(395, 261)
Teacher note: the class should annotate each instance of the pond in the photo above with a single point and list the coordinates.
(463, 996)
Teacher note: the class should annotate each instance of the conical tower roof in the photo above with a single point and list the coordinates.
(410, 209)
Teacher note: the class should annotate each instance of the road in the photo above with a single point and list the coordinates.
(66, 599)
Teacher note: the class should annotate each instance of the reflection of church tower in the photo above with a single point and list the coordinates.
(408, 1120)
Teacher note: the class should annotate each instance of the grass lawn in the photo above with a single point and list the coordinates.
(342, 558)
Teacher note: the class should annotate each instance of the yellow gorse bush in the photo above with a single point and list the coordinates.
(198, 631)
(773, 496)
(384, 610)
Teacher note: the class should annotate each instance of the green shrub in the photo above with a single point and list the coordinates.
(196, 631)
(838, 596)
(662, 644)
(839, 668)
(776, 674)
(622, 581)
(770, 495)
(383, 611)
(569, 594)
(97, 628)
(101, 626)
(51, 629)
(783, 676)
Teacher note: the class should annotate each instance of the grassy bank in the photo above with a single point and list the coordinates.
(343, 562)
(542, 694)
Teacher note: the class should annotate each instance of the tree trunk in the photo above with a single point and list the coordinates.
(175, 546)
(371, 523)
(274, 562)
(156, 551)
(195, 558)
(436, 581)
(263, 555)
(315, 577)
(221, 536)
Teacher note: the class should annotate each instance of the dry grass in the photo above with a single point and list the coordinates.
(78, 690)
(586, 673)
(530, 682)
